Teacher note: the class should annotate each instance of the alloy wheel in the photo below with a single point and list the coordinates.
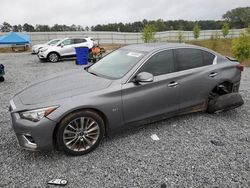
(81, 134)
(53, 57)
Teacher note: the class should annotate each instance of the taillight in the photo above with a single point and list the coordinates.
(240, 67)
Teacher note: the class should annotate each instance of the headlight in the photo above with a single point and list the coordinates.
(38, 114)
(43, 49)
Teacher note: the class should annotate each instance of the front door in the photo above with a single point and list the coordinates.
(67, 48)
(141, 101)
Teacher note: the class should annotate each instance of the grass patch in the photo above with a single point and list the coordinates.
(222, 46)
(10, 50)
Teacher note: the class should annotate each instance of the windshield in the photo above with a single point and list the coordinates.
(53, 42)
(117, 64)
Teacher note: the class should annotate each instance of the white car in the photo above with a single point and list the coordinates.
(64, 49)
(35, 49)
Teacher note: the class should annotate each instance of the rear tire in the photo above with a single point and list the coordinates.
(1, 79)
(53, 57)
(80, 132)
(225, 102)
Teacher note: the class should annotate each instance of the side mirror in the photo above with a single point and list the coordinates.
(144, 77)
(62, 45)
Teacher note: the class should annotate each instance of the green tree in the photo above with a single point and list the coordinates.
(20, 28)
(180, 36)
(6, 27)
(241, 46)
(73, 27)
(80, 28)
(225, 29)
(56, 27)
(86, 28)
(148, 34)
(28, 28)
(214, 40)
(42, 28)
(196, 31)
(238, 17)
(15, 28)
(160, 25)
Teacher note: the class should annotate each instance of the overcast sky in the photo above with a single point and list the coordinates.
(93, 12)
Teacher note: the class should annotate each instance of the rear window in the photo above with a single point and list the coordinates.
(208, 58)
(77, 41)
(188, 58)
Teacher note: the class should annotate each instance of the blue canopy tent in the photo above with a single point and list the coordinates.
(15, 38)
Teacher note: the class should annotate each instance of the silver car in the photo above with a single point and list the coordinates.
(76, 109)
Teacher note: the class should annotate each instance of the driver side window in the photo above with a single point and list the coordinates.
(159, 64)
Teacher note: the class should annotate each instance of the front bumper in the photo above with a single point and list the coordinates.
(33, 135)
(42, 55)
(34, 51)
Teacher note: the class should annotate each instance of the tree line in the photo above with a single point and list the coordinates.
(236, 18)
(6, 27)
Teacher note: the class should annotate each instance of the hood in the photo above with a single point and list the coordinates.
(39, 46)
(64, 85)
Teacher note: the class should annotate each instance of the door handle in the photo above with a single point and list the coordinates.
(213, 74)
(173, 84)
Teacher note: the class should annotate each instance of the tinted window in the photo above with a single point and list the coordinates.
(188, 58)
(77, 41)
(208, 58)
(160, 63)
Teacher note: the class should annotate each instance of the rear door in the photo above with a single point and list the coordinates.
(197, 75)
(155, 98)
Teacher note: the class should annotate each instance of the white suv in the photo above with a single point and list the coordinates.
(37, 47)
(64, 49)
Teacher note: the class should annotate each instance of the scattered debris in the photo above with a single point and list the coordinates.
(60, 182)
(155, 137)
(217, 142)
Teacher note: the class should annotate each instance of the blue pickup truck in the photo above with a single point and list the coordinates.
(1, 73)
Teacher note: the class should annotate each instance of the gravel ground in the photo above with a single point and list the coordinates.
(198, 150)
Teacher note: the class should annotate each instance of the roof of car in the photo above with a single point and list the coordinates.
(148, 47)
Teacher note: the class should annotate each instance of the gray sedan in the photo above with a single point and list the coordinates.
(132, 85)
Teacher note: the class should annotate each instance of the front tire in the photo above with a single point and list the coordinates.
(53, 57)
(80, 132)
